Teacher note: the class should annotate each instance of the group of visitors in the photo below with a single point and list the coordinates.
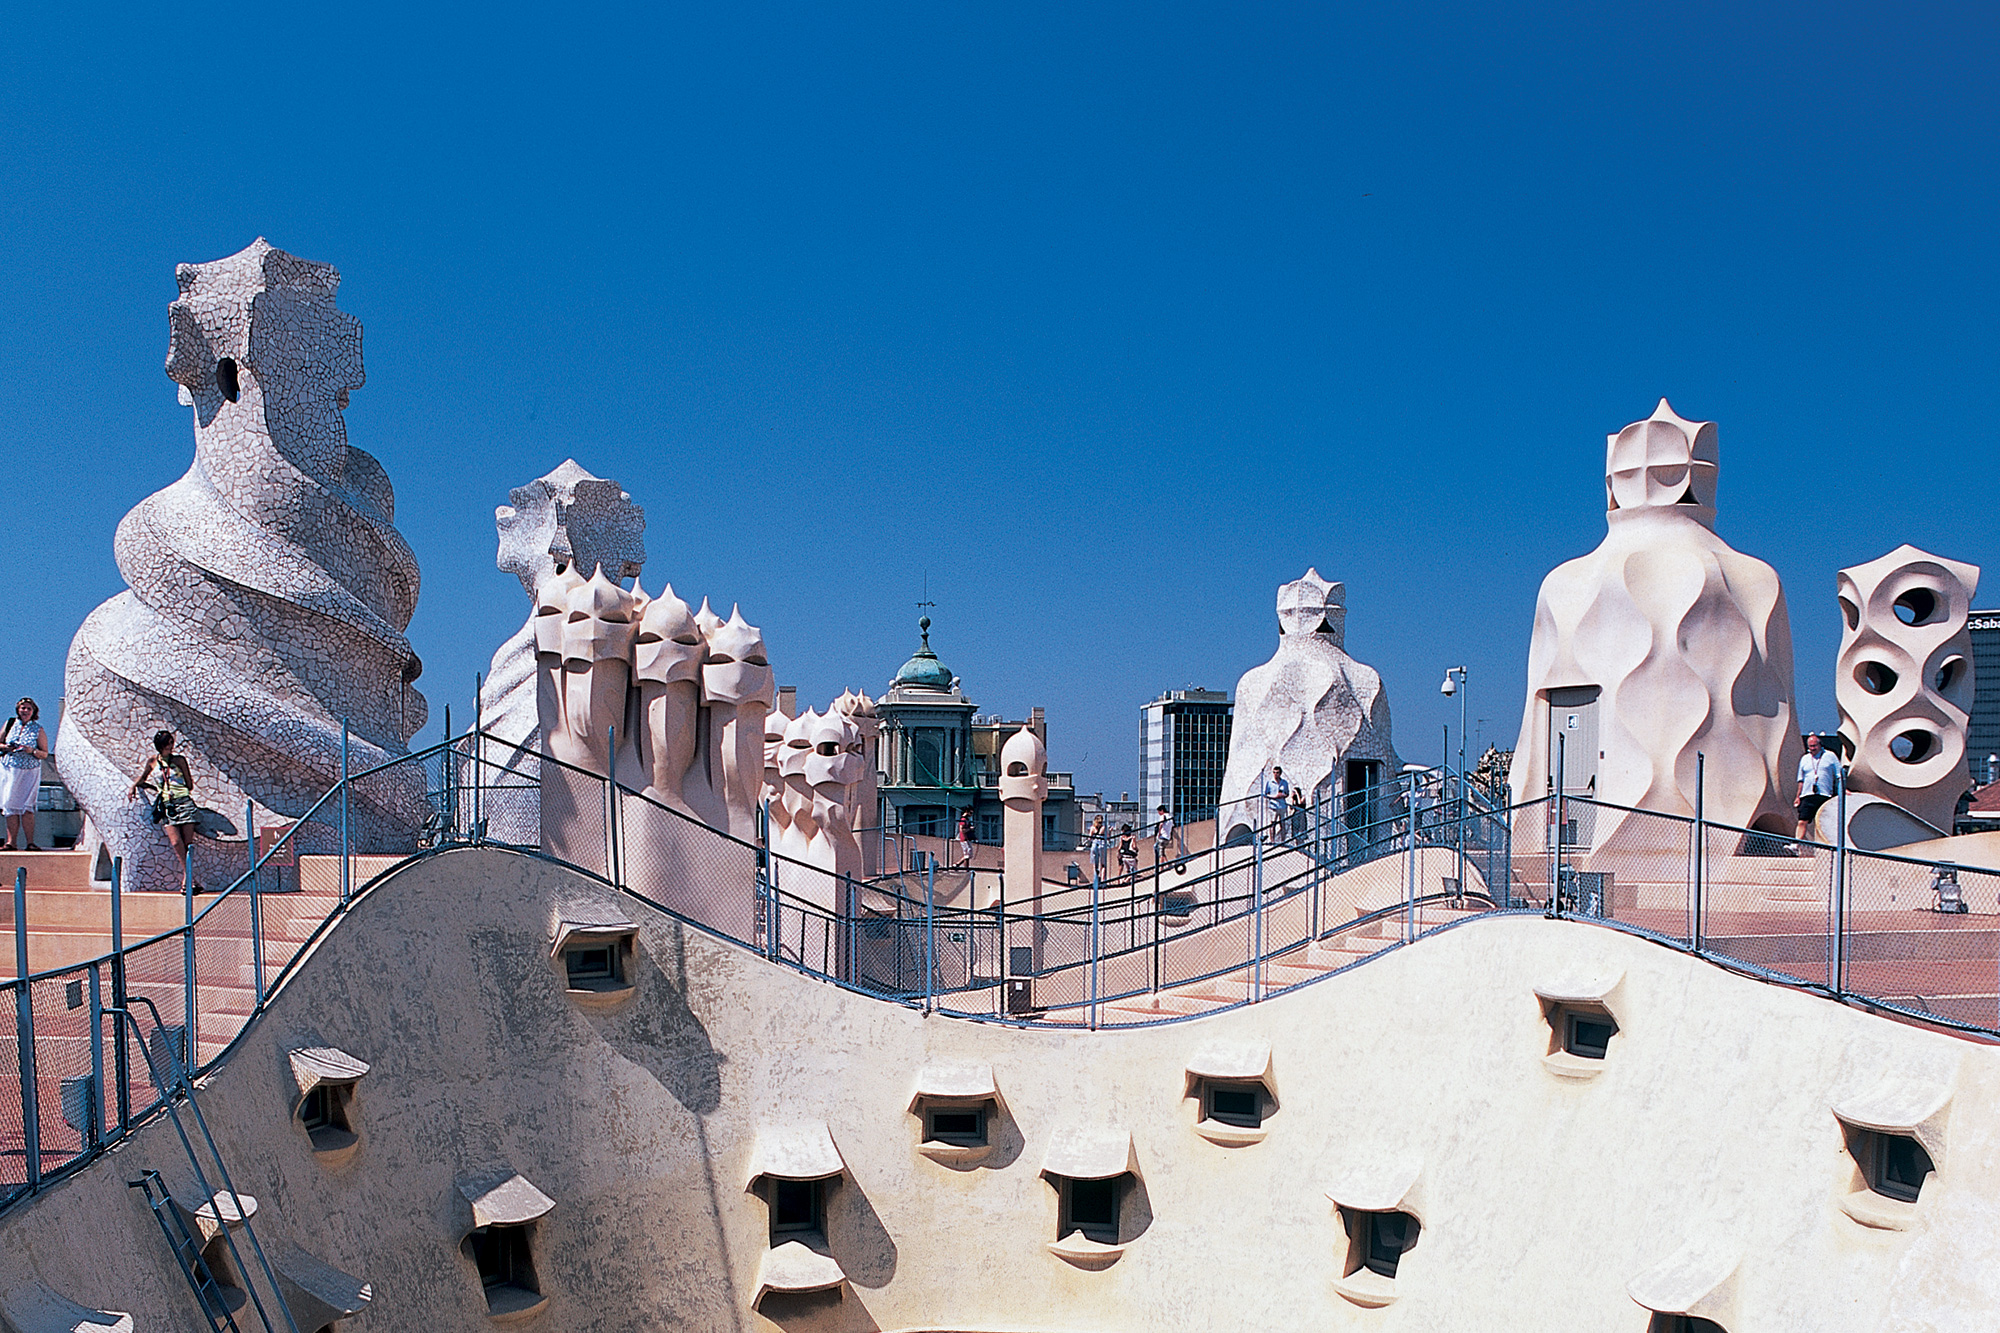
(1167, 841)
(25, 745)
(1286, 801)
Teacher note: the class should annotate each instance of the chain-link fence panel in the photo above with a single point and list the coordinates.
(155, 972)
(704, 875)
(13, 1120)
(1768, 904)
(1642, 874)
(67, 1056)
(225, 972)
(1924, 938)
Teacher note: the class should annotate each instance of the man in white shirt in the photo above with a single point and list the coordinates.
(1277, 796)
(1819, 779)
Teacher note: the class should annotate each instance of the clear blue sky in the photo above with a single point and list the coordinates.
(1109, 318)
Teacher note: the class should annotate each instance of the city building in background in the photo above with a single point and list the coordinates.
(1982, 738)
(940, 757)
(1117, 812)
(1183, 749)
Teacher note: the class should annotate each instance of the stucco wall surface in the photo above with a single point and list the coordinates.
(1540, 1197)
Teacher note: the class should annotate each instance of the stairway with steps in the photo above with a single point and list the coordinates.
(1313, 959)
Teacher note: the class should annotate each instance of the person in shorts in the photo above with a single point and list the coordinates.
(1819, 779)
(167, 775)
(1165, 835)
(1128, 852)
(1100, 850)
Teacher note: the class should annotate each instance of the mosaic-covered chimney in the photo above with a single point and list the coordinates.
(269, 588)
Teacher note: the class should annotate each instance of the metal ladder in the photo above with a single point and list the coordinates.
(187, 1251)
(209, 1292)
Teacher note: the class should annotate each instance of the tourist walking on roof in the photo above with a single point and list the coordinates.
(1819, 779)
(23, 746)
(1299, 821)
(1100, 850)
(170, 780)
(965, 838)
(1128, 852)
(1278, 797)
(1166, 834)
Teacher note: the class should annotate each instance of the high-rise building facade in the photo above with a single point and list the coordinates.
(1982, 740)
(1183, 749)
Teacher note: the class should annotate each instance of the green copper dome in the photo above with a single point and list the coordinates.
(923, 670)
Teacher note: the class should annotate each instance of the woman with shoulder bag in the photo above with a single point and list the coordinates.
(23, 747)
(173, 800)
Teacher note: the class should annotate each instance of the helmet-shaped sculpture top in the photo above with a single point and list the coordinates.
(1311, 605)
(1663, 462)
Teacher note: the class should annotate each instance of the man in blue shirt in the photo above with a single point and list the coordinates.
(1819, 779)
(1277, 795)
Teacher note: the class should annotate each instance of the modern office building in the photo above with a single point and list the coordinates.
(1982, 741)
(1183, 749)
(940, 757)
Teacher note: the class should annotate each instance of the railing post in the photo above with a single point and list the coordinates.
(95, 1134)
(256, 904)
(120, 1065)
(450, 792)
(346, 866)
(930, 928)
(1700, 845)
(1839, 960)
(1096, 938)
(191, 1052)
(611, 804)
(1410, 861)
(1257, 923)
(1557, 829)
(478, 749)
(24, 1032)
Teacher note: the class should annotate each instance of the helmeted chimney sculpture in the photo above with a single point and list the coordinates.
(1661, 643)
(1904, 684)
(269, 588)
(1307, 709)
(567, 519)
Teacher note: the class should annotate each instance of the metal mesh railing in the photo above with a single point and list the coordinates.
(1286, 900)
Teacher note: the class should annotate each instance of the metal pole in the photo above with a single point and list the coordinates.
(478, 748)
(450, 781)
(1095, 938)
(1464, 795)
(1410, 861)
(1700, 843)
(24, 1031)
(190, 1052)
(256, 904)
(119, 1057)
(1556, 850)
(611, 803)
(1840, 881)
(346, 868)
(930, 929)
(95, 1134)
(1257, 931)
